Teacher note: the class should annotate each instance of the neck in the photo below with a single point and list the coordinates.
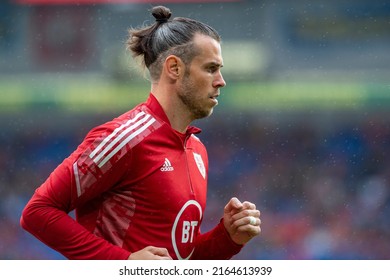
(173, 108)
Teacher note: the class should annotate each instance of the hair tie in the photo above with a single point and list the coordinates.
(162, 20)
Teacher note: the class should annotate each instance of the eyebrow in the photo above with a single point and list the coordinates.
(214, 64)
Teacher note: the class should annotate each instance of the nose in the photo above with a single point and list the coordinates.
(219, 81)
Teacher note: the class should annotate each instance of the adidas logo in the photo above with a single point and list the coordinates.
(166, 166)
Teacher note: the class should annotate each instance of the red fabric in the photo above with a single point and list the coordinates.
(132, 182)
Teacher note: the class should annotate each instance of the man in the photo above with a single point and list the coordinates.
(138, 183)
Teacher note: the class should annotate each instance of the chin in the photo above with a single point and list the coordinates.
(203, 114)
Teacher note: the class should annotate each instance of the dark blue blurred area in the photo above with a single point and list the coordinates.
(323, 192)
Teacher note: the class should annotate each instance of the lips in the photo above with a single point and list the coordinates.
(214, 99)
(215, 96)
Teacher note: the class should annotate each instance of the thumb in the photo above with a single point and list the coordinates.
(233, 204)
(163, 252)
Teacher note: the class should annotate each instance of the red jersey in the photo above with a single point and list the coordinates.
(133, 182)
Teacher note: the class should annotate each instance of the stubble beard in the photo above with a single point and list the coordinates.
(188, 95)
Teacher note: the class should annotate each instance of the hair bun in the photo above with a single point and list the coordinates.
(161, 13)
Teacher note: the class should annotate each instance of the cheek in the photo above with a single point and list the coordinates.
(204, 81)
(198, 83)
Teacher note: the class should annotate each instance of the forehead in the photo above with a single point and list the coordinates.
(209, 49)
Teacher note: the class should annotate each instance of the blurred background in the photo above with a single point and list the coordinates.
(302, 129)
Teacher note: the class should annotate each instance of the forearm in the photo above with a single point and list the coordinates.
(215, 244)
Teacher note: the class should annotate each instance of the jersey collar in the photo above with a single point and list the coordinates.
(156, 108)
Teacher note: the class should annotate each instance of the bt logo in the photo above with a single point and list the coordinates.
(188, 231)
(184, 230)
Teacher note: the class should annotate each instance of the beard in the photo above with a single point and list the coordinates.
(193, 100)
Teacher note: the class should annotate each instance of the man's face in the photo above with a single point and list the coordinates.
(202, 79)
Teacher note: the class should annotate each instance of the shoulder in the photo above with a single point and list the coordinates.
(127, 130)
(118, 127)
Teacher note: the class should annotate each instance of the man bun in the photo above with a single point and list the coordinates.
(161, 13)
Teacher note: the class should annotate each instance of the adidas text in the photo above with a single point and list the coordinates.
(167, 166)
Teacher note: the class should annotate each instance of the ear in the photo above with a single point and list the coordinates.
(174, 67)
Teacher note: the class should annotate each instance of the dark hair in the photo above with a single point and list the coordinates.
(165, 37)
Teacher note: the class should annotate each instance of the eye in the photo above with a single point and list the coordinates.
(212, 69)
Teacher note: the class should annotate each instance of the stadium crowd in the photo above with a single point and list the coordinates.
(323, 186)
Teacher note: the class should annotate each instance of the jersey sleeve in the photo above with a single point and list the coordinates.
(215, 244)
(96, 166)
